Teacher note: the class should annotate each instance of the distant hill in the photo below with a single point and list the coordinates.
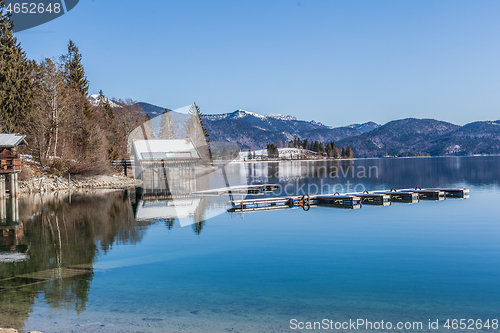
(155, 111)
(254, 131)
(426, 137)
(366, 127)
(404, 137)
(480, 137)
(152, 110)
(268, 122)
(250, 130)
(329, 134)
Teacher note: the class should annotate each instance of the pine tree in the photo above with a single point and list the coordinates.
(167, 127)
(75, 73)
(108, 110)
(349, 153)
(16, 84)
(196, 129)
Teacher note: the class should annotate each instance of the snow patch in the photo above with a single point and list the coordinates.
(94, 100)
(13, 257)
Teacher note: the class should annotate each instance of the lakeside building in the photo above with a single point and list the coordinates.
(165, 166)
(10, 162)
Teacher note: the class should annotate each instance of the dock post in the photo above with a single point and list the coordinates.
(3, 210)
(16, 183)
(14, 214)
(17, 209)
(13, 185)
(2, 186)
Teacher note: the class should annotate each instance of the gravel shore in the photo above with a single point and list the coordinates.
(43, 184)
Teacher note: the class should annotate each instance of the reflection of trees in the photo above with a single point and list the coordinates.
(197, 227)
(199, 216)
(169, 223)
(63, 234)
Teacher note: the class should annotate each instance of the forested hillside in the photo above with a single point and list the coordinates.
(47, 101)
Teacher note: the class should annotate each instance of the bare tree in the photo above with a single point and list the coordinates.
(53, 101)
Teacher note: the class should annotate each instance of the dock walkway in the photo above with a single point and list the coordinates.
(348, 200)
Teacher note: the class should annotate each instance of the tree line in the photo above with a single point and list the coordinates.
(48, 101)
(328, 149)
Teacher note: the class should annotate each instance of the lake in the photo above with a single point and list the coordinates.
(111, 261)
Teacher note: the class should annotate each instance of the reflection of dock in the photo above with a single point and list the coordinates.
(351, 201)
(242, 189)
(25, 280)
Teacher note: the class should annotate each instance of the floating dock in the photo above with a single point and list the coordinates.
(349, 200)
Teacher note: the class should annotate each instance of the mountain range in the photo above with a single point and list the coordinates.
(404, 137)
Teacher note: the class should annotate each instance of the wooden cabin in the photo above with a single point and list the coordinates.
(10, 161)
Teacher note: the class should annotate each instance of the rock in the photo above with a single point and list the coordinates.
(8, 330)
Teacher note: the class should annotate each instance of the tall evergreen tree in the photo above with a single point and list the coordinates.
(196, 129)
(108, 110)
(75, 73)
(167, 127)
(16, 84)
(349, 153)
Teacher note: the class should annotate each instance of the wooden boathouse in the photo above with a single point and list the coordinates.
(165, 167)
(10, 163)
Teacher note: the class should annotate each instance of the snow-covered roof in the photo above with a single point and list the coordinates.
(10, 140)
(165, 149)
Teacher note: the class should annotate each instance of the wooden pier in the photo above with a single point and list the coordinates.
(349, 200)
(10, 163)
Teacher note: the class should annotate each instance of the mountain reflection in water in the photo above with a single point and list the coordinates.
(52, 243)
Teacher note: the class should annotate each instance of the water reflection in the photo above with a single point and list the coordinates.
(327, 177)
(61, 237)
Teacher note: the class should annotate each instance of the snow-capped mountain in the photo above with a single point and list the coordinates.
(272, 122)
(238, 114)
(94, 100)
(250, 130)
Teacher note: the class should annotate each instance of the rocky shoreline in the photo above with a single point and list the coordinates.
(44, 184)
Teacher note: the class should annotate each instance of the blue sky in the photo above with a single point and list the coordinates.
(338, 62)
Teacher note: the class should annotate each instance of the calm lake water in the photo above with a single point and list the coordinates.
(116, 263)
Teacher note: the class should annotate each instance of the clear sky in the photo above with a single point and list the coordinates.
(338, 62)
